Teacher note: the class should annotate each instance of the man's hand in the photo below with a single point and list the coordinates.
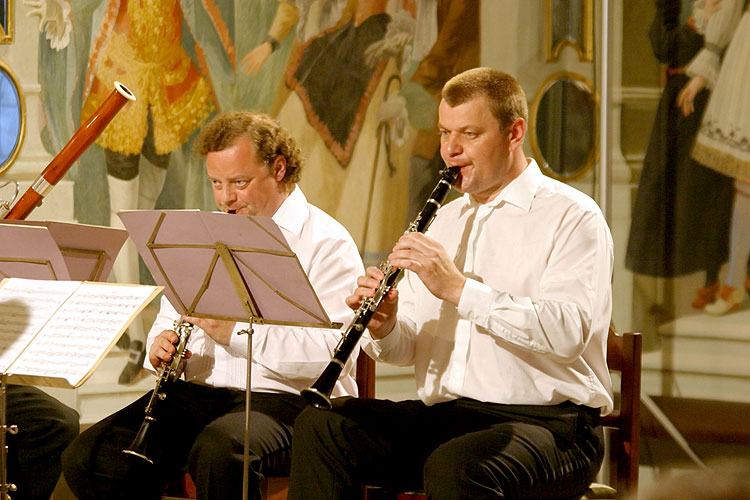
(687, 95)
(429, 260)
(384, 319)
(163, 348)
(218, 329)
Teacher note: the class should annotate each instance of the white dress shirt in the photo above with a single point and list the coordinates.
(285, 359)
(532, 322)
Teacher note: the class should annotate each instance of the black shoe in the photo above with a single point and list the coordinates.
(135, 363)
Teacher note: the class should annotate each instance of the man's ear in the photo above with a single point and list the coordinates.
(279, 168)
(517, 133)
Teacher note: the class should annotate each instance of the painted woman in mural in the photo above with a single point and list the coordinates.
(347, 94)
(680, 220)
(141, 44)
(723, 141)
(333, 90)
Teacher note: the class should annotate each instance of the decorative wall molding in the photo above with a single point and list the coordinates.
(640, 94)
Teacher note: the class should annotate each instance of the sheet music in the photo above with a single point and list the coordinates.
(71, 344)
(25, 306)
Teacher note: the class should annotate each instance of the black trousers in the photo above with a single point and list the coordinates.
(197, 427)
(455, 450)
(45, 428)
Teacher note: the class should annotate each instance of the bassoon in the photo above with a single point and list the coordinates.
(61, 163)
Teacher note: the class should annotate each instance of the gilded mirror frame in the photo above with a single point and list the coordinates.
(5, 165)
(6, 21)
(593, 153)
(582, 43)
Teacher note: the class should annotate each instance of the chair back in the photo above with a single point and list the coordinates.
(624, 356)
(365, 376)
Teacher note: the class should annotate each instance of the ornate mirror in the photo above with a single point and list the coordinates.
(563, 129)
(570, 23)
(12, 126)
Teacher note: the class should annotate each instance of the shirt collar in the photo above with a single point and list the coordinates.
(287, 216)
(520, 192)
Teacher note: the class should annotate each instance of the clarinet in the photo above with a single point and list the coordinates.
(319, 394)
(168, 372)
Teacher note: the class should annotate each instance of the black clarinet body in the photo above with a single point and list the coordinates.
(168, 372)
(319, 394)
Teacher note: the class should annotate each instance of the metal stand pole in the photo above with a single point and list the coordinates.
(5, 487)
(246, 453)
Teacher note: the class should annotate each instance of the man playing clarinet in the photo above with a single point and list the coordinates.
(504, 312)
(253, 166)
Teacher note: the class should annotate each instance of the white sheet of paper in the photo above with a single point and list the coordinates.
(25, 306)
(62, 329)
(71, 343)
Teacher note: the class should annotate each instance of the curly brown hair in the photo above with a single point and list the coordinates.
(269, 138)
(503, 92)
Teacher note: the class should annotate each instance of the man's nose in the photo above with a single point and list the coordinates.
(228, 194)
(452, 145)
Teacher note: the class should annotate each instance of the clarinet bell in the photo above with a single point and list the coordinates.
(138, 447)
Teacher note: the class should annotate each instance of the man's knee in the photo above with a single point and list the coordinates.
(68, 425)
(74, 461)
(450, 472)
(211, 444)
(310, 425)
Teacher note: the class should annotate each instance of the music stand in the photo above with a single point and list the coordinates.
(183, 248)
(58, 250)
(54, 251)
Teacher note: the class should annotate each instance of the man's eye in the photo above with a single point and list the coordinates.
(241, 183)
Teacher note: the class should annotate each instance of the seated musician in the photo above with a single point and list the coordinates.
(45, 427)
(253, 166)
(504, 311)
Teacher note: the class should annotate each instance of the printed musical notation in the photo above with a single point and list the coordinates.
(62, 329)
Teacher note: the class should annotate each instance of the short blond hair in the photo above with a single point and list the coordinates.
(505, 95)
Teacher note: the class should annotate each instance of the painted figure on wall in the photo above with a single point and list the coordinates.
(360, 55)
(723, 141)
(680, 221)
(142, 45)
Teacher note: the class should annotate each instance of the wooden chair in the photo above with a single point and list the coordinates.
(623, 356)
(275, 488)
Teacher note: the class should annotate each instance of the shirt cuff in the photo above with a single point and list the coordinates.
(475, 302)
(273, 42)
(385, 344)
(705, 64)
